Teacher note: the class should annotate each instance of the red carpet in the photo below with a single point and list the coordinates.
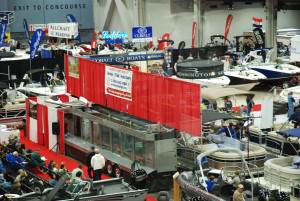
(58, 158)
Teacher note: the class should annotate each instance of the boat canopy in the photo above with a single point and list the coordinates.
(208, 115)
(291, 132)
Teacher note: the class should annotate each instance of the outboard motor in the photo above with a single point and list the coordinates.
(138, 177)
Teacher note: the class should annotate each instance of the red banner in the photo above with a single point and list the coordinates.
(194, 34)
(228, 24)
(164, 44)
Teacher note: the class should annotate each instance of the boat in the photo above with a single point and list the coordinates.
(32, 88)
(296, 94)
(242, 77)
(110, 189)
(204, 72)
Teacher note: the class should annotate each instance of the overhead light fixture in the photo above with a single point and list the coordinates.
(230, 6)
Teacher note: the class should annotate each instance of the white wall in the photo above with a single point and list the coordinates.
(177, 17)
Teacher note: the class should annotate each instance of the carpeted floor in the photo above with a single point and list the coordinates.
(58, 158)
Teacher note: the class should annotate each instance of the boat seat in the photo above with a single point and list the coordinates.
(216, 190)
(163, 196)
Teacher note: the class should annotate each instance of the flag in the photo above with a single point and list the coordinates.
(2, 32)
(25, 25)
(194, 34)
(35, 42)
(227, 27)
(257, 22)
(71, 18)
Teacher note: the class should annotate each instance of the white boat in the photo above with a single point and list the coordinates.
(33, 88)
(218, 82)
(296, 94)
(242, 77)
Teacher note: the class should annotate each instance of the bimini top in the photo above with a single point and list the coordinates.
(208, 116)
(200, 69)
(291, 132)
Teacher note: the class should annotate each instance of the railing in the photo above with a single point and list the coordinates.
(12, 113)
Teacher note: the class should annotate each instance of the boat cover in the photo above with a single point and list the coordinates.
(213, 94)
(208, 115)
(291, 132)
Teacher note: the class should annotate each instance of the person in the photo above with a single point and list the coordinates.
(291, 102)
(54, 167)
(3, 183)
(88, 161)
(11, 95)
(229, 131)
(210, 183)
(190, 57)
(15, 161)
(23, 177)
(250, 104)
(15, 133)
(50, 164)
(45, 79)
(97, 163)
(52, 180)
(16, 188)
(62, 169)
(239, 128)
(56, 68)
(165, 66)
(228, 104)
(178, 61)
(215, 105)
(23, 152)
(78, 178)
(295, 117)
(236, 180)
(2, 169)
(78, 169)
(37, 160)
(238, 193)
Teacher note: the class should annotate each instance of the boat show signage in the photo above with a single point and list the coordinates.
(7, 16)
(141, 34)
(2, 31)
(35, 42)
(113, 38)
(128, 58)
(63, 30)
(118, 82)
(34, 27)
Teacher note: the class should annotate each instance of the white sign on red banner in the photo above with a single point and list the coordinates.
(118, 82)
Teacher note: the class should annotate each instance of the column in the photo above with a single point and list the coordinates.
(271, 26)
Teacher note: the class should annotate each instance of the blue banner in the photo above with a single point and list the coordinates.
(35, 42)
(2, 32)
(7, 16)
(71, 18)
(141, 34)
(25, 25)
(128, 58)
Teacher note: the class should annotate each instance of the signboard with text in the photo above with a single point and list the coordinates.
(34, 27)
(118, 82)
(63, 30)
(7, 16)
(141, 34)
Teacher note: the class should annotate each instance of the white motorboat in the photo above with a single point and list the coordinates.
(32, 88)
(242, 77)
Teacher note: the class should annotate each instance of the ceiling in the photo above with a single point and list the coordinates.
(282, 4)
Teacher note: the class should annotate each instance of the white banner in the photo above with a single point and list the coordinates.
(63, 30)
(118, 82)
(34, 27)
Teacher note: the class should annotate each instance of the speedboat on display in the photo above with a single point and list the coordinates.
(110, 189)
(241, 77)
(33, 88)
(204, 72)
(296, 94)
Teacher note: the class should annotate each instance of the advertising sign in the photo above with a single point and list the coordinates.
(63, 30)
(118, 82)
(7, 16)
(34, 27)
(141, 34)
(35, 42)
(2, 31)
(128, 58)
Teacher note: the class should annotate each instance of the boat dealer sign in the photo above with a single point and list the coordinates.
(118, 82)
(63, 30)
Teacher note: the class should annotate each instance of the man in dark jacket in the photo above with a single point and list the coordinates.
(37, 160)
(295, 117)
(88, 161)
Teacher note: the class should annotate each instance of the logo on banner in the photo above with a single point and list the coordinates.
(142, 34)
(2, 31)
(118, 82)
(128, 58)
(35, 42)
